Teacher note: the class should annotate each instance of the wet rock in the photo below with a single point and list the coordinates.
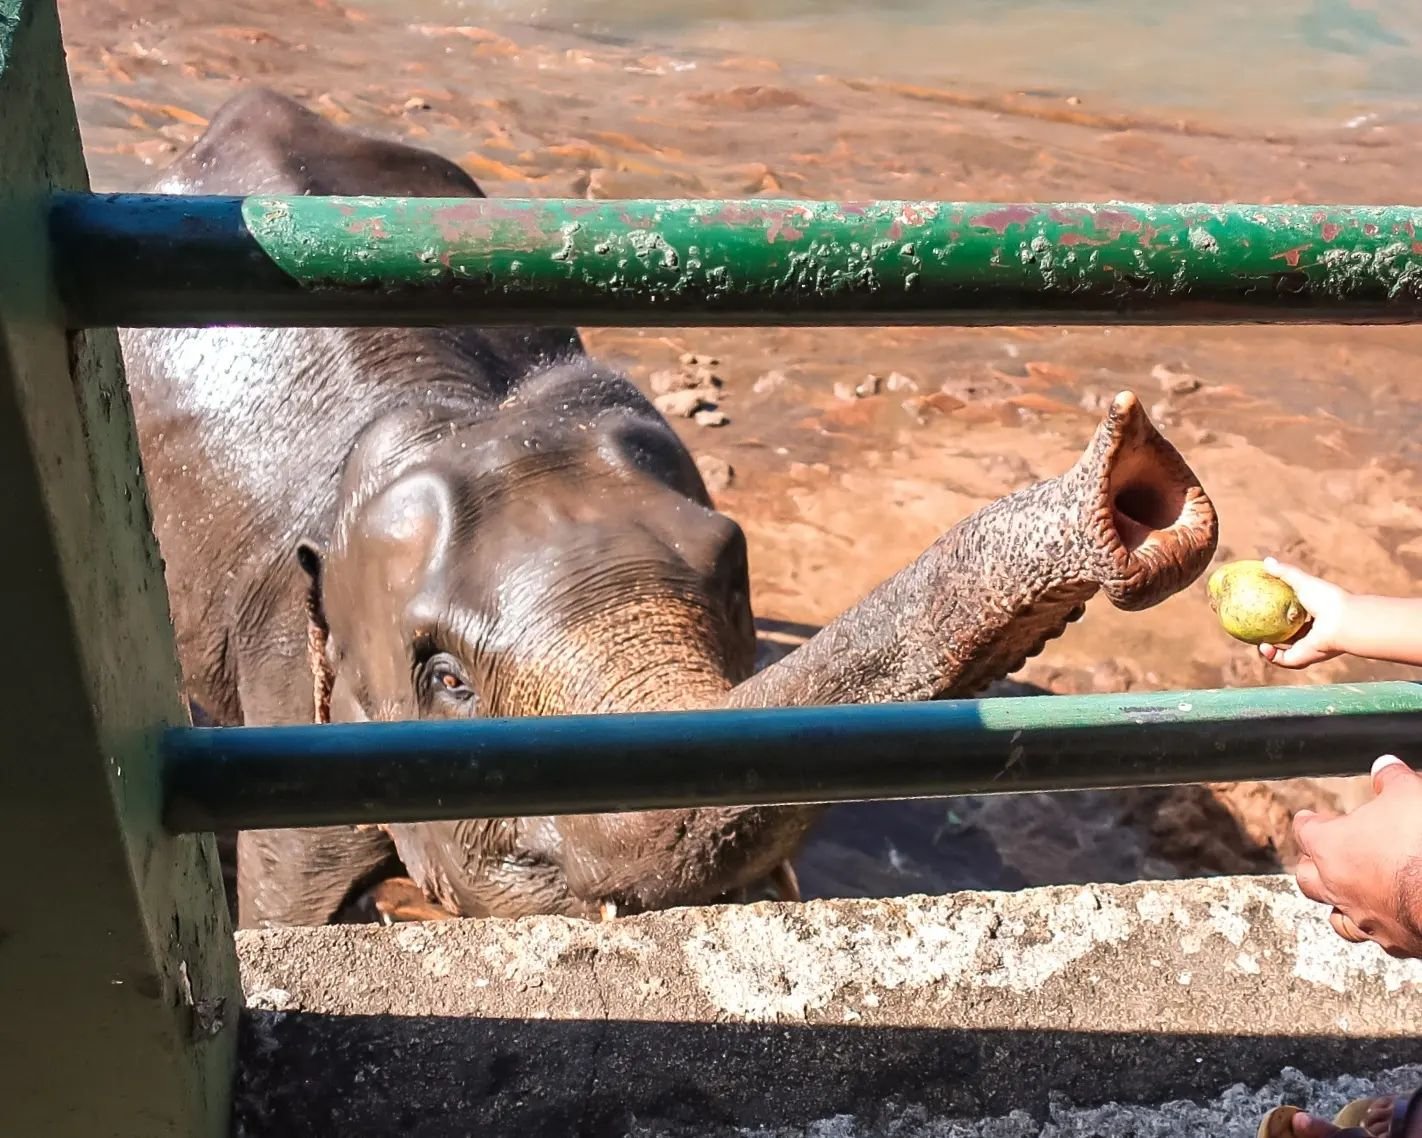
(872, 385)
(753, 98)
(1112, 676)
(1174, 379)
(761, 179)
(770, 381)
(711, 417)
(1045, 371)
(1247, 669)
(1165, 414)
(668, 380)
(974, 389)
(716, 472)
(1011, 471)
(919, 407)
(1095, 400)
(152, 151)
(694, 374)
(181, 133)
(898, 381)
(682, 404)
(602, 184)
(1410, 554)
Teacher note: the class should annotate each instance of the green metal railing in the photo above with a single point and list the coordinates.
(151, 260)
(262, 777)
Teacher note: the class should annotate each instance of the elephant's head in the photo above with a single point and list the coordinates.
(573, 565)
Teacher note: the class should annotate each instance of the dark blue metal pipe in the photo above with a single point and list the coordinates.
(264, 777)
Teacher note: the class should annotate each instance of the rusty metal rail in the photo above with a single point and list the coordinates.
(131, 260)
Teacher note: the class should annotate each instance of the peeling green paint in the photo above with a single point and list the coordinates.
(136, 259)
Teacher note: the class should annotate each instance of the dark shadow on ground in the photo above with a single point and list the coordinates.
(314, 1074)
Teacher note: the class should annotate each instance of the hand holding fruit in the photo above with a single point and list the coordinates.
(1267, 603)
(1299, 620)
(1326, 608)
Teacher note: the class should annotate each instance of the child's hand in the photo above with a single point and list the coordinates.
(1326, 605)
(1367, 865)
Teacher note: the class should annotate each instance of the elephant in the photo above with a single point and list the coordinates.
(373, 524)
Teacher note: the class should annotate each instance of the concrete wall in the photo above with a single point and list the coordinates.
(862, 1016)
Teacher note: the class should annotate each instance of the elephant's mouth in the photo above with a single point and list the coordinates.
(1141, 510)
(1154, 525)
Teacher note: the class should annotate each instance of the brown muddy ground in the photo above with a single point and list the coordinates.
(1306, 438)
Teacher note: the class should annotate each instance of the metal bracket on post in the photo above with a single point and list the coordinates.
(119, 997)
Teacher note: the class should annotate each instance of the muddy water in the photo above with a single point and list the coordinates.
(1307, 439)
(1280, 61)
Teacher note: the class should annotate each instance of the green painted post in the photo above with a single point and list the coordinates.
(154, 260)
(119, 997)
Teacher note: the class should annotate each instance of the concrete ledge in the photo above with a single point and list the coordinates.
(705, 1021)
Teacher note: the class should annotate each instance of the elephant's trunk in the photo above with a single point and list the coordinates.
(1129, 518)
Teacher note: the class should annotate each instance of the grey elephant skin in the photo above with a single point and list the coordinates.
(465, 521)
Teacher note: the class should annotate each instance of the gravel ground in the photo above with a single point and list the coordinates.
(1234, 1114)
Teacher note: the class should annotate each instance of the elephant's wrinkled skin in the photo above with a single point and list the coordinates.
(489, 522)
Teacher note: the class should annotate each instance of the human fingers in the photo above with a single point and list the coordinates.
(1345, 927)
(1309, 834)
(1311, 1126)
(1322, 599)
(1309, 648)
(1299, 655)
(1291, 575)
(1310, 881)
(1389, 771)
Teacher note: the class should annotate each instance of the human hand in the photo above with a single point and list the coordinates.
(1367, 865)
(1374, 1116)
(1326, 605)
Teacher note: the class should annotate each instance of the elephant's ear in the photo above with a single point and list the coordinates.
(318, 633)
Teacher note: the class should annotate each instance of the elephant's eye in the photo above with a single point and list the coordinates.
(447, 679)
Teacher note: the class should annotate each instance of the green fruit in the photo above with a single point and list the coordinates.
(1253, 605)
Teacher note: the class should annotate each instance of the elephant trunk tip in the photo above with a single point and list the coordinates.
(1153, 528)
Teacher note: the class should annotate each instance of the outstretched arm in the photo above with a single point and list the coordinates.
(1343, 623)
